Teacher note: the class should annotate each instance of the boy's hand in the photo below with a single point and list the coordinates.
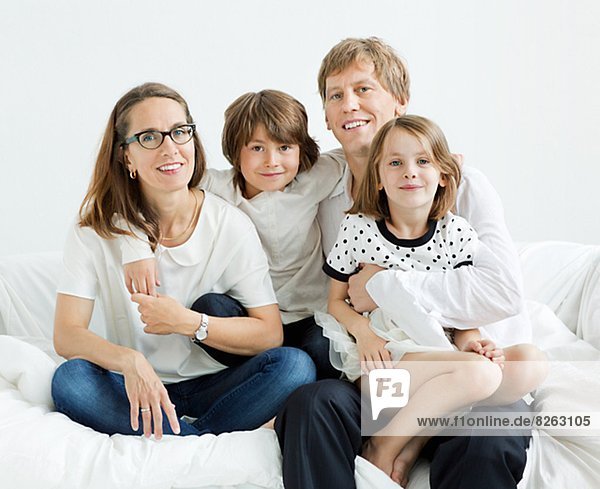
(142, 277)
(486, 348)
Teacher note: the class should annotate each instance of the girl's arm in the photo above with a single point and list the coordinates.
(73, 339)
(371, 347)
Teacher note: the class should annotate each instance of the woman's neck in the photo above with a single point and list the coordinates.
(177, 212)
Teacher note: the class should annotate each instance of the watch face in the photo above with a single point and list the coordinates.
(201, 334)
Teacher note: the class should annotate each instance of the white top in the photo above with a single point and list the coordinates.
(223, 255)
(286, 222)
(467, 297)
(448, 243)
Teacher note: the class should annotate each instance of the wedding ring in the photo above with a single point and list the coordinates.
(145, 410)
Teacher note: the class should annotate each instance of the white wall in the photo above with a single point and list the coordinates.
(514, 85)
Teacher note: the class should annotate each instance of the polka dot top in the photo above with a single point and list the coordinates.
(448, 243)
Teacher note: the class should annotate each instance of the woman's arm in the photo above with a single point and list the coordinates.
(258, 332)
(73, 339)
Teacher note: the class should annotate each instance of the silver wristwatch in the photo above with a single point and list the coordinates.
(202, 332)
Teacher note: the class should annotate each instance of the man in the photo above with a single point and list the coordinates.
(364, 84)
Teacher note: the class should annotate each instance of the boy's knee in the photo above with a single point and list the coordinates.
(219, 305)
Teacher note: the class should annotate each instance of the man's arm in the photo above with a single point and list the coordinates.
(468, 296)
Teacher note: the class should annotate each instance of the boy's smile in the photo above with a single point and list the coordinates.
(267, 165)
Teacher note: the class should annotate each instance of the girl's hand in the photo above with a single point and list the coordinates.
(147, 395)
(488, 349)
(372, 351)
(142, 276)
(161, 314)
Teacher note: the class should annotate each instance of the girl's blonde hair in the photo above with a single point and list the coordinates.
(283, 117)
(373, 202)
(111, 192)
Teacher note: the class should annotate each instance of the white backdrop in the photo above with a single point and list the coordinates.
(514, 85)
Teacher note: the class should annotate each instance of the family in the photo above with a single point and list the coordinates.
(259, 296)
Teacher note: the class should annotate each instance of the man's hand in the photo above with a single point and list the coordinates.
(357, 288)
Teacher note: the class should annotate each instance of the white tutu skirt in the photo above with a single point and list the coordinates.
(343, 352)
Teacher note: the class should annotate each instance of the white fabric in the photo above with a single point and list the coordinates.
(223, 255)
(39, 448)
(288, 229)
(43, 449)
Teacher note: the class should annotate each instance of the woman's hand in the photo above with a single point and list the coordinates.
(486, 348)
(161, 314)
(147, 395)
(142, 276)
(371, 349)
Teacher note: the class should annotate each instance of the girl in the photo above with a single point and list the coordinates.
(401, 220)
(278, 180)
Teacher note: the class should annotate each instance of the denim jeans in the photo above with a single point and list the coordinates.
(241, 397)
(307, 335)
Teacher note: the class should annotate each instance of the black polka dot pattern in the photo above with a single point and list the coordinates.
(363, 240)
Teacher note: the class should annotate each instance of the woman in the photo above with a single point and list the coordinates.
(149, 164)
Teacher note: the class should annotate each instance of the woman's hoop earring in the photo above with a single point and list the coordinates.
(133, 174)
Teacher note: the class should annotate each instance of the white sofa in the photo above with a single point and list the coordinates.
(43, 449)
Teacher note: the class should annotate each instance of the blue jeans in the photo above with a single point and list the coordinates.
(307, 335)
(241, 397)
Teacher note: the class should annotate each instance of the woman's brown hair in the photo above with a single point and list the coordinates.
(374, 202)
(283, 117)
(112, 193)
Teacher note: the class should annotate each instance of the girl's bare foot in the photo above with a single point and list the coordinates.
(382, 459)
(270, 425)
(405, 460)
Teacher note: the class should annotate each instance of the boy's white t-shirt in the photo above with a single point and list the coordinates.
(223, 255)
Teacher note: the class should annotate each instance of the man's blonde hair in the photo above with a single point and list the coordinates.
(390, 69)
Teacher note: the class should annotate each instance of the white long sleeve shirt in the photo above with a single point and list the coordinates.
(487, 295)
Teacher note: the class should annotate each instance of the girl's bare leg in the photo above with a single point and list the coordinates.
(525, 369)
(450, 380)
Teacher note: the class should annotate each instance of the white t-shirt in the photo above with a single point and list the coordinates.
(223, 255)
(286, 222)
(490, 292)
